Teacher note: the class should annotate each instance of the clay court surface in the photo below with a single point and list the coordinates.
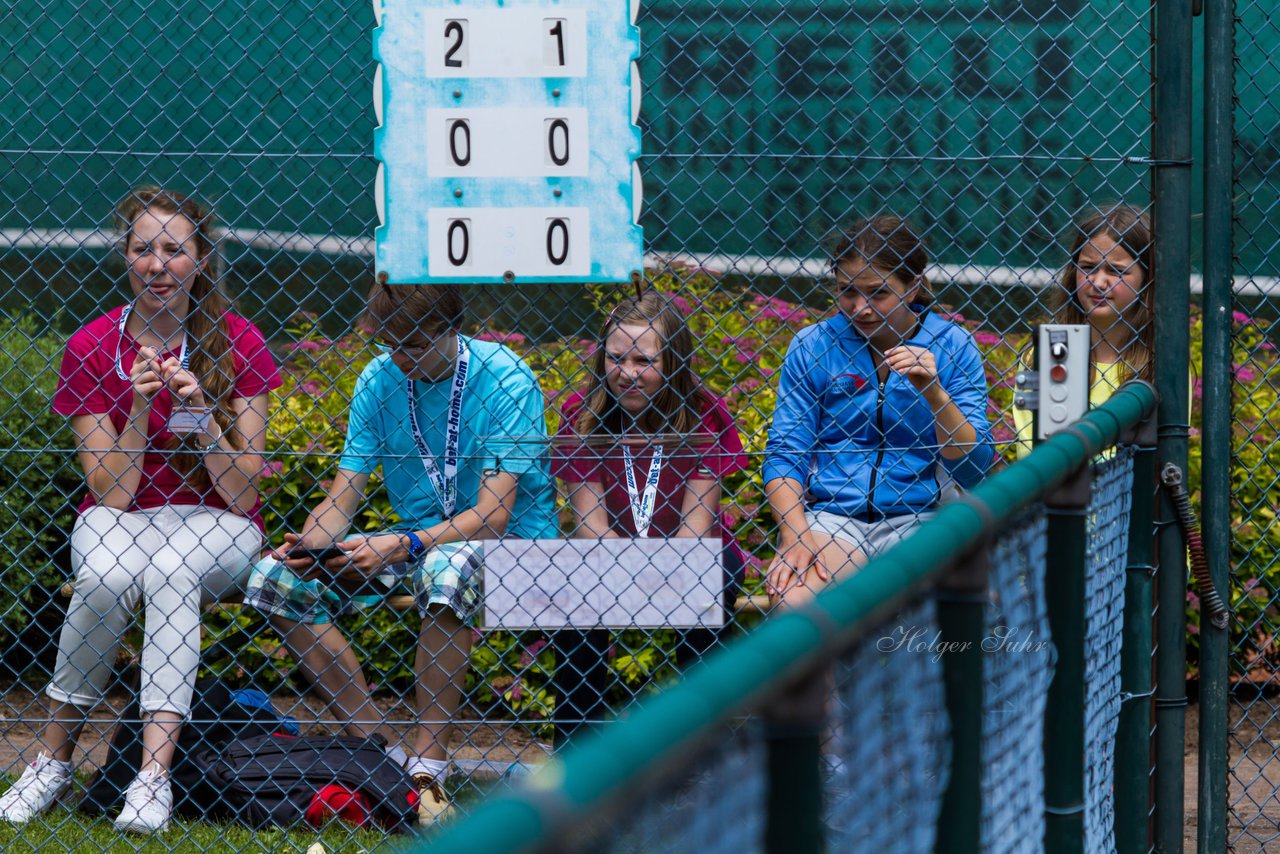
(475, 744)
(1253, 783)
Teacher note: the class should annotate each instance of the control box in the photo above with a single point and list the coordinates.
(1062, 357)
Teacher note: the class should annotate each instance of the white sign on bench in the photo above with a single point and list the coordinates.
(610, 583)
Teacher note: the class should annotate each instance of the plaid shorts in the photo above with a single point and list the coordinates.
(448, 574)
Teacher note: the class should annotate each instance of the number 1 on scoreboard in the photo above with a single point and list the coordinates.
(553, 44)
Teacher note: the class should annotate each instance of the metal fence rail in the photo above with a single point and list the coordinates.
(595, 779)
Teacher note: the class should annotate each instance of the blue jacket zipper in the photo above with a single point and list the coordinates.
(875, 468)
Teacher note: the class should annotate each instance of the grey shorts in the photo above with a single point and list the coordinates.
(870, 538)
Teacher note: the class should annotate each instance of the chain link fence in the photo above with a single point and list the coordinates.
(1108, 556)
(1253, 785)
(768, 129)
(933, 731)
(1016, 689)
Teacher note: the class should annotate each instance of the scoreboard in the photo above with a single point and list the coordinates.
(506, 141)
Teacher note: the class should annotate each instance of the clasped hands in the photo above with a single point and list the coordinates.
(150, 374)
(917, 364)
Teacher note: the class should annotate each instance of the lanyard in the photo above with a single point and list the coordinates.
(183, 358)
(642, 505)
(444, 483)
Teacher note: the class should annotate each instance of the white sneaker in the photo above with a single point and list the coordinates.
(148, 803)
(36, 790)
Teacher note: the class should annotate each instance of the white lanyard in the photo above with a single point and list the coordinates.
(183, 359)
(642, 505)
(445, 484)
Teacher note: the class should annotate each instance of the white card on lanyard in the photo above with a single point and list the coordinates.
(190, 419)
(642, 504)
(445, 483)
(183, 419)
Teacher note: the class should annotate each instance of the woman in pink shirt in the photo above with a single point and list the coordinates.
(643, 450)
(167, 397)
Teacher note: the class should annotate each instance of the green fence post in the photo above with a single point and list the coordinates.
(794, 722)
(1133, 734)
(1215, 472)
(1066, 508)
(1172, 179)
(962, 600)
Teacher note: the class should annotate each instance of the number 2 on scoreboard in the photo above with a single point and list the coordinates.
(455, 43)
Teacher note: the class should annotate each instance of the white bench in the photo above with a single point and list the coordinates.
(609, 583)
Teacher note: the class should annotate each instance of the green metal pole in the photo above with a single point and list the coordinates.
(793, 725)
(1215, 471)
(1133, 735)
(962, 603)
(1067, 510)
(1172, 177)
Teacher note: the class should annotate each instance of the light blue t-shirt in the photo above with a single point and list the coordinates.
(503, 426)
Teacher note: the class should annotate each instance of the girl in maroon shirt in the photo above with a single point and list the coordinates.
(167, 397)
(644, 449)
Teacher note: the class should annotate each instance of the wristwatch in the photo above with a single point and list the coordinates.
(416, 547)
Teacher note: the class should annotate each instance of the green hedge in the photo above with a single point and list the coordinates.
(42, 483)
(742, 339)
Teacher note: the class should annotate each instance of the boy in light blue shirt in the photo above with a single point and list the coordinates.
(458, 428)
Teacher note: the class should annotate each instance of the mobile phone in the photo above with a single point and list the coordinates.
(317, 555)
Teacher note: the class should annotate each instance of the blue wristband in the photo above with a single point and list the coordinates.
(416, 548)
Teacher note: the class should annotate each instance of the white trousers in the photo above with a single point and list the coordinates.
(176, 559)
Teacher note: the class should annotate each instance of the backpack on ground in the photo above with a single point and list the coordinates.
(279, 780)
(219, 714)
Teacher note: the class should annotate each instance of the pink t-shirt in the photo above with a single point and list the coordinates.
(720, 454)
(88, 384)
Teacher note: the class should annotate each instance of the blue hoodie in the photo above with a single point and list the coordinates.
(867, 450)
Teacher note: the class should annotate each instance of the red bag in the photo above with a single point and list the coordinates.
(336, 800)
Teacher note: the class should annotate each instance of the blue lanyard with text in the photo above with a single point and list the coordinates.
(445, 483)
(642, 505)
(183, 358)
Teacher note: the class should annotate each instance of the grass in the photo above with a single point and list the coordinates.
(63, 829)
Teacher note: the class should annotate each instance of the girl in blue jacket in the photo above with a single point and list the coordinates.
(879, 407)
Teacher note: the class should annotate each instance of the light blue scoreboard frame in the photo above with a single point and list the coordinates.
(507, 141)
